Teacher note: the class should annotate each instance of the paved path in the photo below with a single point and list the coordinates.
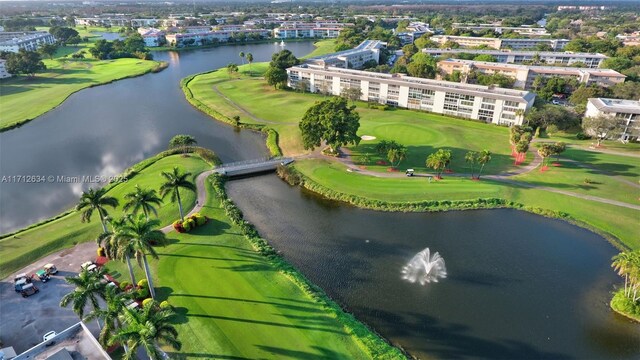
(200, 199)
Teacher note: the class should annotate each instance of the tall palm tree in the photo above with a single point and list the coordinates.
(142, 199)
(111, 314)
(116, 245)
(483, 159)
(242, 56)
(173, 182)
(96, 200)
(140, 234)
(472, 158)
(249, 60)
(146, 328)
(89, 287)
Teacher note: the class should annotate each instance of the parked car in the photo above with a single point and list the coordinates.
(48, 336)
(51, 269)
(28, 290)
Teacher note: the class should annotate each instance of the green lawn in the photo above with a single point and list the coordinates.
(233, 304)
(322, 47)
(19, 250)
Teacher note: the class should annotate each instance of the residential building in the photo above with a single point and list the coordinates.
(208, 37)
(632, 39)
(75, 342)
(27, 40)
(3, 70)
(525, 75)
(625, 111)
(415, 29)
(495, 43)
(144, 22)
(590, 60)
(499, 29)
(367, 50)
(152, 37)
(103, 21)
(320, 29)
(485, 103)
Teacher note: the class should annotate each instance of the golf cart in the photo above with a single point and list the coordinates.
(48, 336)
(20, 284)
(43, 275)
(89, 266)
(409, 172)
(28, 290)
(51, 269)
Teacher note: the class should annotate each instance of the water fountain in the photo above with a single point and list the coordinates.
(425, 267)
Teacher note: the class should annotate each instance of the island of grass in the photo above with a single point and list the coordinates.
(23, 98)
(594, 189)
(234, 297)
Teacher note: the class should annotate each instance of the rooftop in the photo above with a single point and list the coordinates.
(75, 343)
(616, 105)
(556, 69)
(514, 52)
(365, 45)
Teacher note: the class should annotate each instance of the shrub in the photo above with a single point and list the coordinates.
(552, 129)
(189, 224)
(582, 136)
(178, 226)
(165, 305)
(143, 283)
(186, 225)
(124, 285)
(201, 220)
(146, 301)
(142, 293)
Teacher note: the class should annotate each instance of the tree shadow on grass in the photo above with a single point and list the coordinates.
(184, 356)
(320, 354)
(250, 301)
(207, 258)
(266, 323)
(248, 267)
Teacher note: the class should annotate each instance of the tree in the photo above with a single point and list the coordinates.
(332, 121)
(111, 314)
(483, 159)
(24, 62)
(601, 126)
(232, 69)
(249, 60)
(351, 93)
(141, 234)
(485, 57)
(144, 329)
(174, 181)
(242, 56)
(283, 60)
(438, 161)
(627, 264)
(48, 50)
(583, 93)
(544, 151)
(142, 199)
(557, 149)
(102, 49)
(395, 156)
(471, 157)
(182, 141)
(116, 245)
(62, 33)
(617, 63)
(88, 289)
(425, 41)
(276, 77)
(96, 200)
(626, 90)
(421, 70)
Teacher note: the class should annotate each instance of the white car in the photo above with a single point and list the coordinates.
(48, 336)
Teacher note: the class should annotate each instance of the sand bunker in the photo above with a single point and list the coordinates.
(367, 137)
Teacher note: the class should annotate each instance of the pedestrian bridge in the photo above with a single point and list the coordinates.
(249, 167)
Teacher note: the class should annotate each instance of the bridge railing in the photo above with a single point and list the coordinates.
(244, 163)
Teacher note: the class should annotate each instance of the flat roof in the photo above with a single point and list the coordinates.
(550, 69)
(404, 80)
(76, 340)
(513, 52)
(493, 39)
(365, 45)
(616, 105)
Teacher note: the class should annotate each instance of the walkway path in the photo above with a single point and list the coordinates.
(200, 199)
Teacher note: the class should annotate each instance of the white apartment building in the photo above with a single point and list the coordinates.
(367, 50)
(525, 75)
(625, 111)
(495, 43)
(499, 29)
(489, 104)
(152, 37)
(590, 60)
(319, 29)
(3, 70)
(102, 21)
(27, 40)
(203, 38)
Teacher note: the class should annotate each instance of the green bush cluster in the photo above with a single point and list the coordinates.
(626, 306)
(142, 293)
(165, 305)
(289, 174)
(146, 301)
(370, 341)
(143, 283)
(124, 285)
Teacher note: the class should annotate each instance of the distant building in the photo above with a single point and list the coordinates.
(495, 43)
(76, 342)
(27, 40)
(368, 50)
(590, 60)
(209, 37)
(632, 39)
(103, 21)
(499, 29)
(525, 75)
(489, 104)
(415, 29)
(582, 7)
(3, 70)
(144, 22)
(625, 111)
(152, 37)
(320, 29)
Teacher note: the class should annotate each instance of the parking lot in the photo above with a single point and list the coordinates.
(24, 320)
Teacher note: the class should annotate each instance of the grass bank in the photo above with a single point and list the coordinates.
(624, 306)
(23, 98)
(19, 248)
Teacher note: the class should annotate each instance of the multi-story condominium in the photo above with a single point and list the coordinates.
(525, 75)
(414, 30)
(367, 50)
(320, 29)
(499, 29)
(144, 22)
(3, 70)
(152, 37)
(468, 41)
(27, 40)
(103, 21)
(625, 111)
(590, 60)
(485, 103)
(204, 38)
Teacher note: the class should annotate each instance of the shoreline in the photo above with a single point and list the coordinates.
(211, 46)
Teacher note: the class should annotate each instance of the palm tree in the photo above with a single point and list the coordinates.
(436, 162)
(140, 234)
(472, 158)
(483, 159)
(89, 287)
(116, 245)
(96, 200)
(249, 60)
(627, 264)
(174, 181)
(142, 199)
(115, 300)
(396, 155)
(242, 56)
(145, 328)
